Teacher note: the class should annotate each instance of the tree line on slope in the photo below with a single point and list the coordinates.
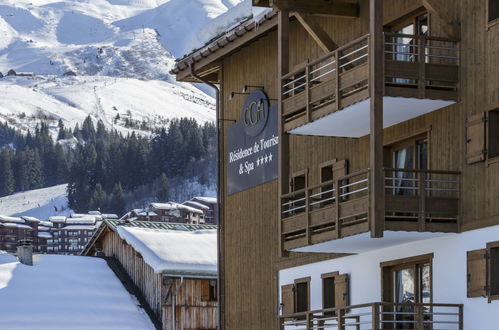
(105, 169)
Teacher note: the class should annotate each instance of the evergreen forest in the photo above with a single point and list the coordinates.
(106, 170)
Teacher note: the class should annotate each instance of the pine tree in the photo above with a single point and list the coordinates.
(163, 194)
(117, 202)
(6, 173)
(98, 199)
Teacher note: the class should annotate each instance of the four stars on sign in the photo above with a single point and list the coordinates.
(264, 160)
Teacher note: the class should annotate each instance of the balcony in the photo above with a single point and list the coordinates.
(379, 316)
(334, 216)
(330, 95)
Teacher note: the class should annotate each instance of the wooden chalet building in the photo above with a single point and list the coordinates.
(173, 266)
(15, 229)
(359, 172)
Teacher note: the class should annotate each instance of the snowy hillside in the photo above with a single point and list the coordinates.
(39, 203)
(119, 50)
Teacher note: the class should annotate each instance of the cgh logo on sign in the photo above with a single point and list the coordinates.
(255, 112)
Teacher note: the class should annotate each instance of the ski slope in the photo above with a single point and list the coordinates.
(39, 203)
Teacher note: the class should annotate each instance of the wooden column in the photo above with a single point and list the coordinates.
(282, 69)
(376, 85)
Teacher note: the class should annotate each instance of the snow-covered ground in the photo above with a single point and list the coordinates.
(39, 203)
(120, 50)
(65, 292)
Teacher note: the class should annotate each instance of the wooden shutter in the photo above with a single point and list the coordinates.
(288, 299)
(475, 138)
(477, 273)
(339, 169)
(341, 290)
(205, 290)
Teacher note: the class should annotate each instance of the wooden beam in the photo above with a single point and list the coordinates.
(441, 10)
(317, 32)
(322, 7)
(282, 69)
(376, 84)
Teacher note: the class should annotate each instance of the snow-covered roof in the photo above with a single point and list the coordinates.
(44, 235)
(30, 219)
(196, 205)
(5, 218)
(110, 216)
(90, 220)
(207, 200)
(174, 206)
(79, 227)
(42, 228)
(65, 292)
(57, 218)
(78, 215)
(15, 225)
(174, 251)
(46, 223)
(94, 212)
(147, 213)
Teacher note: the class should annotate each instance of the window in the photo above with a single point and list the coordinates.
(493, 11)
(406, 280)
(483, 272)
(298, 182)
(331, 170)
(335, 290)
(482, 137)
(209, 290)
(295, 298)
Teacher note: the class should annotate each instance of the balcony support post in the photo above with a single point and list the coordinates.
(422, 201)
(283, 68)
(376, 85)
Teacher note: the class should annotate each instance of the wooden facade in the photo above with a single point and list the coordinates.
(193, 311)
(256, 240)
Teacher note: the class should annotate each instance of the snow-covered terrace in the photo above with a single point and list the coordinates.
(65, 292)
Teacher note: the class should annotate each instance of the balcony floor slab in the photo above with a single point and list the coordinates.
(353, 121)
(363, 242)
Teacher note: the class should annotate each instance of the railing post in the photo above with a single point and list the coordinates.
(375, 316)
(307, 210)
(309, 325)
(341, 314)
(461, 318)
(337, 74)
(337, 208)
(418, 309)
(422, 201)
(307, 92)
(422, 66)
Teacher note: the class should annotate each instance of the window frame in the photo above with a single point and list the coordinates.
(488, 159)
(331, 275)
(490, 246)
(490, 23)
(298, 281)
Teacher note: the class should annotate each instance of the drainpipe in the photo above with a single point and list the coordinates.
(219, 186)
(174, 298)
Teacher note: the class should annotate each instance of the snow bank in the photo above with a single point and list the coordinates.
(174, 250)
(65, 292)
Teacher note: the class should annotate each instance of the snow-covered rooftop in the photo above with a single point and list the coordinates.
(46, 223)
(208, 200)
(30, 219)
(65, 292)
(174, 206)
(4, 218)
(89, 220)
(196, 205)
(44, 235)
(174, 251)
(15, 225)
(42, 228)
(57, 218)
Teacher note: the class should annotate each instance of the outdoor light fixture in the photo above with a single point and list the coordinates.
(233, 94)
(247, 87)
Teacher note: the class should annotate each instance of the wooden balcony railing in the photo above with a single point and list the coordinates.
(377, 316)
(415, 66)
(415, 200)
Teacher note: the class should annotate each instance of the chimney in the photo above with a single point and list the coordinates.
(25, 252)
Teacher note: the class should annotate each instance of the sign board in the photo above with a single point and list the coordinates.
(252, 144)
